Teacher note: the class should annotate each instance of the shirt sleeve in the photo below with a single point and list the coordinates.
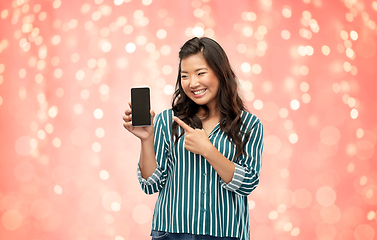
(157, 180)
(247, 166)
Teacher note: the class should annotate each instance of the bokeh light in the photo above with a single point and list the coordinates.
(306, 68)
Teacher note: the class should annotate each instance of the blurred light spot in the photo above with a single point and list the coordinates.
(41, 134)
(100, 132)
(85, 8)
(295, 232)
(304, 86)
(284, 173)
(58, 73)
(283, 112)
(371, 215)
(198, 31)
(141, 213)
(303, 198)
(285, 34)
(198, 13)
(359, 133)
(22, 146)
(168, 89)
(241, 48)
(330, 135)
(106, 47)
(75, 57)
(118, 2)
(325, 196)
(258, 104)
(4, 14)
(365, 232)
(72, 23)
(161, 34)
(98, 113)
(272, 144)
(273, 215)
(130, 47)
(247, 31)
(96, 147)
(104, 175)
(354, 113)
(365, 149)
(150, 47)
(138, 14)
(59, 92)
(304, 70)
(109, 199)
(128, 29)
(256, 69)
(147, 2)
(165, 50)
(56, 142)
(251, 204)
(167, 69)
(49, 128)
(287, 227)
(351, 102)
(306, 98)
(287, 11)
(84, 94)
(288, 124)
(53, 111)
(58, 189)
(56, 4)
(245, 67)
(330, 214)
(249, 96)
(11, 220)
(249, 16)
(295, 104)
(119, 238)
(293, 138)
(115, 207)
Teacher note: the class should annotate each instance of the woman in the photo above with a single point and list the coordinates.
(204, 155)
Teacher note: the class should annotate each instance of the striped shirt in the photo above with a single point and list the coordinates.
(192, 197)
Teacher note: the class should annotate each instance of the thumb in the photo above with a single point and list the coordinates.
(153, 114)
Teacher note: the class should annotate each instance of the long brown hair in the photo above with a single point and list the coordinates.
(228, 100)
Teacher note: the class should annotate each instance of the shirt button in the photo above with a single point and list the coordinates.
(204, 192)
(204, 174)
(204, 210)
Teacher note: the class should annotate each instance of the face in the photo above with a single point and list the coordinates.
(198, 81)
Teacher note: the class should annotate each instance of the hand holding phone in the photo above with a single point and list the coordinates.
(140, 105)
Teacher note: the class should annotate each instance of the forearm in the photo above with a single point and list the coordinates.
(147, 161)
(224, 168)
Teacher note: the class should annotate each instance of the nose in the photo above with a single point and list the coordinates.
(194, 82)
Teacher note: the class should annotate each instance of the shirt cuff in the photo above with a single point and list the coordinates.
(152, 179)
(237, 180)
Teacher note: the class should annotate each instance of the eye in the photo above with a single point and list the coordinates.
(202, 73)
(183, 76)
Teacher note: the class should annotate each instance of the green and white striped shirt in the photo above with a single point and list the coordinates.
(192, 197)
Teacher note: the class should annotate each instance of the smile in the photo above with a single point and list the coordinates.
(199, 92)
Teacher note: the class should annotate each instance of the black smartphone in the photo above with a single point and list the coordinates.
(140, 105)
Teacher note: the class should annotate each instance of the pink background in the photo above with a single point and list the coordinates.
(307, 69)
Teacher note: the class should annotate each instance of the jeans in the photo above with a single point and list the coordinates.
(158, 235)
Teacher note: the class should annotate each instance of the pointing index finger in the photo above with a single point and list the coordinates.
(182, 124)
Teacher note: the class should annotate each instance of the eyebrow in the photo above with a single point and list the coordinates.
(197, 70)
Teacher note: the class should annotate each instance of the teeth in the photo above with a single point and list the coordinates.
(199, 92)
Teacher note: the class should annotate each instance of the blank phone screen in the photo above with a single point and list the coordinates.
(140, 104)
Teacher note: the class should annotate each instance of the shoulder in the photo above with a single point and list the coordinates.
(249, 120)
(164, 117)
